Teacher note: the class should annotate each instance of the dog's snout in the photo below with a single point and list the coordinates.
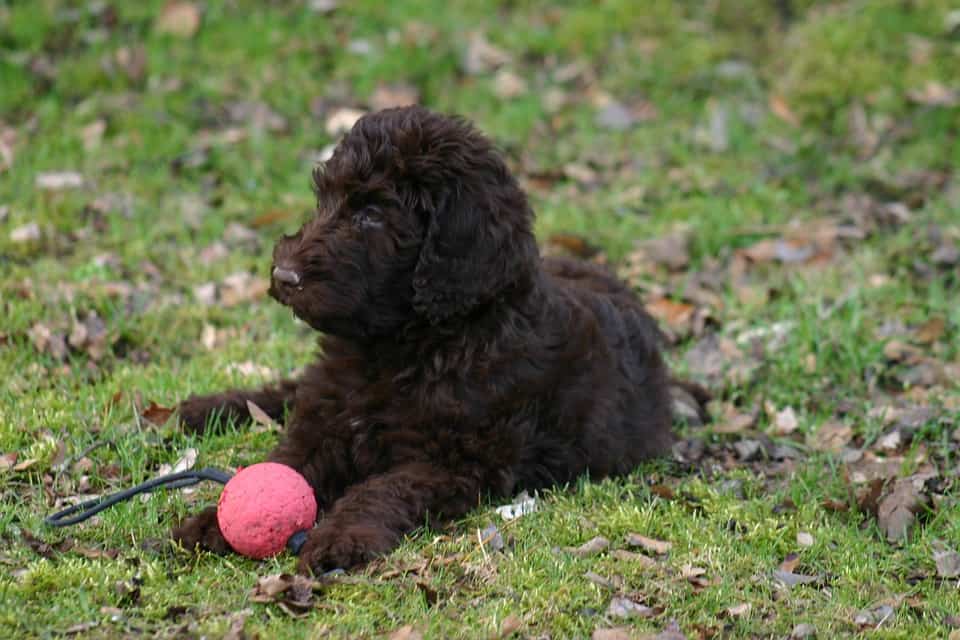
(286, 276)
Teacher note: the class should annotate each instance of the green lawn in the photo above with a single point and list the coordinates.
(780, 185)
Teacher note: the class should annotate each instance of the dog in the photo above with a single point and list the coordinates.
(456, 364)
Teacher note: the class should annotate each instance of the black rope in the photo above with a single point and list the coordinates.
(85, 510)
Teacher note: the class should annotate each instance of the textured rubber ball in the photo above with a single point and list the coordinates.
(262, 506)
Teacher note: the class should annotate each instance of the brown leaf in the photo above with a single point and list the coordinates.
(948, 563)
(625, 608)
(29, 232)
(785, 421)
(739, 610)
(676, 315)
(241, 287)
(591, 547)
(617, 633)
(931, 330)
(132, 61)
(607, 583)
(874, 617)
(260, 417)
(791, 579)
(790, 562)
(659, 547)
(733, 421)
(671, 251)
(342, 120)
(8, 460)
(92, 134)
(156, 414)
(179, 19)
(95, 554)
(935, 94)
(237, 622)
(294, 591)
(614, 116)
(508, 85)
(58, 180)
(831, 436)
(868, 495)
(896, 511)
(23, 465)
(387, 96)
(481, 56)
(407, 632)
(780, 108)
(629, 556)
(510, 625)
(898, 351)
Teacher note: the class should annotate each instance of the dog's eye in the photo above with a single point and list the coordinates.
(367, 218)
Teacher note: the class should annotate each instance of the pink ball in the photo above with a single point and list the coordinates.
(262, 506)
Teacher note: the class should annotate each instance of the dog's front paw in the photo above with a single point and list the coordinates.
(198, 413)
(331, 546)
(201, 531)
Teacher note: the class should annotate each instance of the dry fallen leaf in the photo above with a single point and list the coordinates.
(294, 593)
(250, 369)
(342, 120)
(785, 421)
(27, 233)
(407, 632)
(481, 56)
(237, 622)
(739, 610)
(935, 94)
(92, 134)
(614, 116)
(896, 511)
(659, 547)
(675, 315)
(931, 330)
(58, 180)
(387, 96)
(629, 556)
(241, 287)
(184, 463)
(156, 414)
(591, 547)
(618, 633)
(780, 108)
(948, 562)
(180, 19)
(831, 436)
(508, 85)
(510, 625)
(260, 417)
(625, 608)
(804, 539)
(8, 460)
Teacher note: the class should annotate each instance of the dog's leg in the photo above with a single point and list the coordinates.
(199, 413)
(201, 531)
(372, 516)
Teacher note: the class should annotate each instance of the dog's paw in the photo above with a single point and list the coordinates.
(201, 532)
(202, 413)
(331, 546)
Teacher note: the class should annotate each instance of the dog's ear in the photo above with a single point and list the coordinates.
(478, 243)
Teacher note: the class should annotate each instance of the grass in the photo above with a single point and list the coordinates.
(174, 172)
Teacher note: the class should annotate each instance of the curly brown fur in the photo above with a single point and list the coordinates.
(456, 363)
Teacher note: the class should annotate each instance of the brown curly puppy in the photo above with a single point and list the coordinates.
(456, 363)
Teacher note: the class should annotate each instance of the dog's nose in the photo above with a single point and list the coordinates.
(286, 276)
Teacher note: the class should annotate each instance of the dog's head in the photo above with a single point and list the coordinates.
(418, 218)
